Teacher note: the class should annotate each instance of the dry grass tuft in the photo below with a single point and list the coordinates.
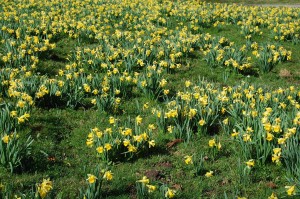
(285, 73)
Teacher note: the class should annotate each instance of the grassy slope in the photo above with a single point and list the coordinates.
(61, 134)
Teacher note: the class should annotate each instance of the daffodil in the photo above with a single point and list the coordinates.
(272, 196)
(250, 163)
(138, 120)
(126, 142)
(209, 174)
(170, 193)
(188, 159)
(111, 120)
(170, 129)
(201, 122)
(188, 83)
(281, 140)
(131, 148)
(100, 149)
(225, 121)
(276, 150)
(146, 106)
(151, 188)
(108, 175)
(108, 146)
(291, 190)
(144, 180)
(151, 143)
(235, 133)
(246, 137)
(13, 113)
(91, 178)
(276, 158)
(5, 139)
(166, 91)
(219, 146)
(269, 137)
(212, 143)
(44, 187)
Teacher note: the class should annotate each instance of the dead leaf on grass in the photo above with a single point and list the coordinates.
(166, 164)
(225, 181)
(177, 186)
(271, 185)
(174, 142)
(285, 73)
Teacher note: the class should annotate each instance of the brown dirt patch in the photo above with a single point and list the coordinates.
(285, 73)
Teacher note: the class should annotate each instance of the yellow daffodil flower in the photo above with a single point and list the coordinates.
(5, 139)
(108, 175)
(91, 178)
(170, 193)
(144, 180)
(45, 187)
(209, 174)
(291, 190)
(250, 163)
(151, 188)
(212, 143)
(188, 159)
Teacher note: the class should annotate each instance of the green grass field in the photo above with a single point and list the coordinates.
(102, 61)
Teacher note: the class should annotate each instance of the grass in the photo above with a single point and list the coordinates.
(59, 151)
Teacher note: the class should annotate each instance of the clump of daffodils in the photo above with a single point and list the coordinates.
(124, 139)
(144, 188)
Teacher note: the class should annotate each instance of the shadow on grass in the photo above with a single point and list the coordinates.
(128, 191)
(39, 162)
(47, 151)
(53, 56)
(143, 154)
(61, 102)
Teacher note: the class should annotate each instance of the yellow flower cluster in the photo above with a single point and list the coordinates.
(121, 138)
(6, 138)
(254, 113)
(276, 155)
(145, 182)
